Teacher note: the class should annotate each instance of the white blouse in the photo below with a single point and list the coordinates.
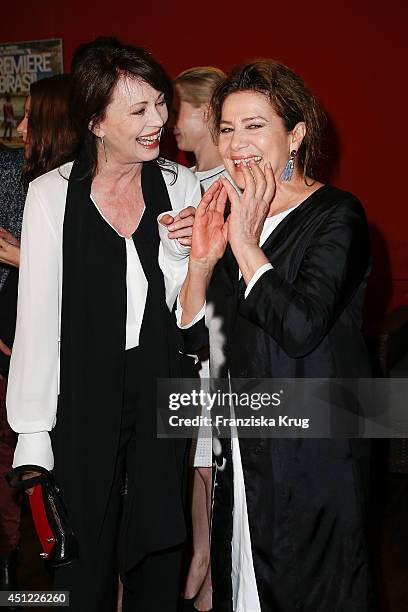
(33, 382)
(136, 286)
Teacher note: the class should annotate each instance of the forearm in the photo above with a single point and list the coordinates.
(193, 291)
(32, 392)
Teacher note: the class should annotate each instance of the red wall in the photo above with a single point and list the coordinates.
(353, 54)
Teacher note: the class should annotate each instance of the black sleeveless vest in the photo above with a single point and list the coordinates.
(93, 334)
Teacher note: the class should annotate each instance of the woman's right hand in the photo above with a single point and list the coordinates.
(210, 231)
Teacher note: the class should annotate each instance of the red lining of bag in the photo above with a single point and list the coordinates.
(40, 519)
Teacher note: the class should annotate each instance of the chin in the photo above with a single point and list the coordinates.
(150, 154)
(182, 146)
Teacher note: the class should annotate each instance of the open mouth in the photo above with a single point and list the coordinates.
(244, 161)
(150, 141)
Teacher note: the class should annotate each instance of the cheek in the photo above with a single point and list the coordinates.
(274, 146)
(193, 125)
(223, 145)
(265, 143)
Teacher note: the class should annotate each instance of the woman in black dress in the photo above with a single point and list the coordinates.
(288, 271)
(95, 331)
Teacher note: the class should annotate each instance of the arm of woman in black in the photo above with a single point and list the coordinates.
(299, 314)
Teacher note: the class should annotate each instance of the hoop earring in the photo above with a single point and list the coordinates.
(104, 148)
(290, 166)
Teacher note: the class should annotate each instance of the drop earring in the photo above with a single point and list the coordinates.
(290, 166)
(104, 148)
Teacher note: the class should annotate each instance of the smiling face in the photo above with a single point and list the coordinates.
(133, 122)
(250, 129)
(22, 128)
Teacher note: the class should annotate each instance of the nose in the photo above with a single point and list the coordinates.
(156, 117)
(238, 140)
(22, 127)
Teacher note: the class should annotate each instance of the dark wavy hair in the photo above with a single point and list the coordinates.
(289, 97)
(51, 136)
(96, 68)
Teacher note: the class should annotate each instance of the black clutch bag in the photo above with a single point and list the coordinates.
(57, 538)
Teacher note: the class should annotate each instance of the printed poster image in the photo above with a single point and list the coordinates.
(21, 64)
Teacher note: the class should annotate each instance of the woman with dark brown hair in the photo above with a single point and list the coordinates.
(95, 331)
(46, 128)
(49, 140)
(290, 264)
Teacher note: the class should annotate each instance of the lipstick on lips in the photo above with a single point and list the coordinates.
(150, 141)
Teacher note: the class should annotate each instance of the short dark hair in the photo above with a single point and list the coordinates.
(51, 136)
(289, 97)
(96, 68)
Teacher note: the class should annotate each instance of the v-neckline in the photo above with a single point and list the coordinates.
(110, 224)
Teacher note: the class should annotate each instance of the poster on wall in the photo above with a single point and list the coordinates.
(22, 63)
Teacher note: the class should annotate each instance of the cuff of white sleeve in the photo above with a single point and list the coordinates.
(34, 449)
(172, 245)
(257, 276)
(179, 314)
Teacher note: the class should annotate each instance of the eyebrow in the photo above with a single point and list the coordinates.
(161, 95)
(245, 119)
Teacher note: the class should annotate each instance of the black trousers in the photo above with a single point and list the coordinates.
(153, 584)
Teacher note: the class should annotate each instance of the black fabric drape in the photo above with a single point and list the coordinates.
(305, 498)
(92, 358)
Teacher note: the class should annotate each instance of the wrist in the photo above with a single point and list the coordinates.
(246, 249)
(201, 268)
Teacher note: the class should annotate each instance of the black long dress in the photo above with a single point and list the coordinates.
(93, 393)
(305, 497)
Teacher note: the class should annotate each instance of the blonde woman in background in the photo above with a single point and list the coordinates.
(194, 88)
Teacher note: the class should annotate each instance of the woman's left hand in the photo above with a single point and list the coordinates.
(9, 253)
(249, 210)
(180, 227)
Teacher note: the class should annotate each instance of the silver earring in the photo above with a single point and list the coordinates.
(290, 166)
(104, 148)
